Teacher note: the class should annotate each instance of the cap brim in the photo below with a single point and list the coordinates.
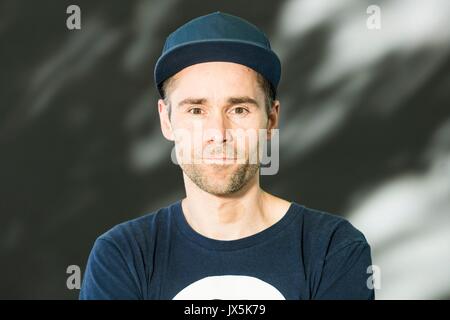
(258, 58)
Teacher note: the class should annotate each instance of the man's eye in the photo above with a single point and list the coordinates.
(195, 111)
(239, 110)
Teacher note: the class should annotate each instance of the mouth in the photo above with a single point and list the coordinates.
(219, 160)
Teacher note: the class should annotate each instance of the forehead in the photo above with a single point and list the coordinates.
(215, 79)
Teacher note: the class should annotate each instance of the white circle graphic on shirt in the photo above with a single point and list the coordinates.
(229, 287)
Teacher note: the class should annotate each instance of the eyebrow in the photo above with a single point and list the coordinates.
(242, 100)
(192, 101)
(230, 101)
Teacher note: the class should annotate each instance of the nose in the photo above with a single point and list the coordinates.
(216, 129)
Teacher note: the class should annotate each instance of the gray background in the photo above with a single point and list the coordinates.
(365, 129)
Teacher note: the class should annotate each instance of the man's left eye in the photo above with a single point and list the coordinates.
(239, 110)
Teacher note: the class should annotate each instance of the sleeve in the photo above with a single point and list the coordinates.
(107, 275)
(344, 274)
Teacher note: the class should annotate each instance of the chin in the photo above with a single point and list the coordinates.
(220, 192)
(216, 167)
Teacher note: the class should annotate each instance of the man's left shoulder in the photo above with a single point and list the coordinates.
(333, 230)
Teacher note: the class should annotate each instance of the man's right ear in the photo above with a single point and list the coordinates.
(166, 125)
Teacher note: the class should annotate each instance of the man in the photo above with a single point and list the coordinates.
(228, 238)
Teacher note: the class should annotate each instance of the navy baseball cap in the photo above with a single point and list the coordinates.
(217, 37)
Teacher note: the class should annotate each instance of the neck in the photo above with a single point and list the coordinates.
(227, 217)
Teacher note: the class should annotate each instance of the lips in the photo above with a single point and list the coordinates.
(219, 160)
(220, 157)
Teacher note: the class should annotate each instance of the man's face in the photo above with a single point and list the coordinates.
(217, 109)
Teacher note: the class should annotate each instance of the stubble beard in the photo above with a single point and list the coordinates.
(226, 183)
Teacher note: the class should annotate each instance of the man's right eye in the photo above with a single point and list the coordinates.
(195, 111)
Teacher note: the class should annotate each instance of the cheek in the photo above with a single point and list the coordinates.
(248, 142)
(257, 120)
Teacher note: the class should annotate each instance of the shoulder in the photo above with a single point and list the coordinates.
(140, 231)
(336, 256)
(328, 231)
(120, 263)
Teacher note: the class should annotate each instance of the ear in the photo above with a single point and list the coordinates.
(272, 118)
(166, 125)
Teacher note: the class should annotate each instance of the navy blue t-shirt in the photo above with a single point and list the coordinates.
(307, 254)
